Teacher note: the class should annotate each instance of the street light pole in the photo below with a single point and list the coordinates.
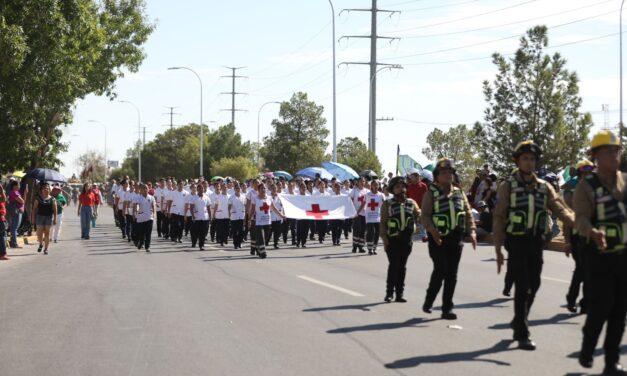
(259, 127)
(372, 135)
(105, 148)
(139, 152)
(620, 35)
(334, 87)
(201, 124)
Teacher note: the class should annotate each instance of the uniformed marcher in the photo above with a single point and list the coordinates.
(447, 217)
(573, 241)
(520, 222)
(399, 216)
(599, 202)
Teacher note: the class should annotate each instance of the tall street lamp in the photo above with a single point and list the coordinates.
(334, 87)
(259, 127)
(105, 146)
(201, 124)
(372, 137)
(139, 131)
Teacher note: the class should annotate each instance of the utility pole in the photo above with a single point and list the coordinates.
(372, 119)
(143, 137)
(171, 113)
(233, 93)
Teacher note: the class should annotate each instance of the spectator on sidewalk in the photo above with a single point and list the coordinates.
(97, 202)
(483, 220)
(57, 193)
(3, 225)
(16, 210)
(86, 204)
(416, 189)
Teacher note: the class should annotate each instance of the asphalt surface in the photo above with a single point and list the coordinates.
(100, 307)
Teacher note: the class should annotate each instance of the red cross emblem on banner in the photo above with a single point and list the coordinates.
(373, 204)
(316, 212)
(264, 208)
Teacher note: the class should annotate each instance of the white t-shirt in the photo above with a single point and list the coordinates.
(251, 195)
(144, 210)
(222, 206)
(358, 196)
(122, 197)
(318, 193)
(277, 204)
(188, 201)
(201, 213)
(263, 207)
(158, 194)
(238, 207)
(373, 207)
(178, 202)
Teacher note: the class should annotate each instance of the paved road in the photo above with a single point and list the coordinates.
(99, 307)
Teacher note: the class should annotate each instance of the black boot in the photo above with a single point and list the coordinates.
(526, 344)
(449, 315)
(614, 369)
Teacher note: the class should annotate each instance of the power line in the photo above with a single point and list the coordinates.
(233, 93)
(441, 6)
(504, 24)
(171, 113)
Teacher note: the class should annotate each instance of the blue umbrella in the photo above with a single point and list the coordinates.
(284, 174)
(46, 174)
(310, 172)
(341, 171)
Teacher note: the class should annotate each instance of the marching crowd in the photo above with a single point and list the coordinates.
(520, 213)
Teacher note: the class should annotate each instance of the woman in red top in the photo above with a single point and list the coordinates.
(86, 203)
(3, 225)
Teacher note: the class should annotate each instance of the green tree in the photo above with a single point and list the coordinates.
(226, 142)
(94, 162)
(53, 53)
(239, 168)
(298, 139)
(352, 152)
(534, 97)
(461, 144)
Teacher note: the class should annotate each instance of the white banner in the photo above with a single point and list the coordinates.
(317, 207)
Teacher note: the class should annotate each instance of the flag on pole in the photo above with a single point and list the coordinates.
(405, 162)
(317, 207)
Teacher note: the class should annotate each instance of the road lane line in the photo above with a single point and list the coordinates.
(332, 287)
(555, 280)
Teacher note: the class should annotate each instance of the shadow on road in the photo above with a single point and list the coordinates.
(559, 318)
(411, 323)
(357, 307)
(470, 356)
(496, 303)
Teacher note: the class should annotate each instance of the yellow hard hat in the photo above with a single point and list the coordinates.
(584, 164)
(604, 138)
(526, 147)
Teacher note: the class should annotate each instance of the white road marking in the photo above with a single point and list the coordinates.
(332, 287)
(556, 280)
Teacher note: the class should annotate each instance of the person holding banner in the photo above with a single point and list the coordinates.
(398, 222)
(374, 200)
(321, 226)
(302, 225)
(336, 224)
(358, 196)
(260, 209)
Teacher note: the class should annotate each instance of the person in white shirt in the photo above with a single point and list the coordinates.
(165, 209)
(221, 215)
(260, 210)
(158, 194)
(336, 224)
(276, 220)
(251, 194)
(118, 204)
(144, 208)
(213, 196)
(113, 194)
(128, 212)
(347, 226)
(374, 200)
(321, 225)
(176, 202)
(289, 224)
(358, 196)
(302, 225)
(200, 206)
(237, 214)
(187, 211)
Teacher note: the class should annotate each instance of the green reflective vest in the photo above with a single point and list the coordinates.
(609, 215)
(401, 220)
(528, 209)
(449, 213)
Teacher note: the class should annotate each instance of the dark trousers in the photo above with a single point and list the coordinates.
(285, 228)
(199, 232)
(336, 230)
(312, 229)
(607, 302)
(213, 229)
(509, 276)
(347, 226)
(3, 238)
(177, 223)
(359, 231)
(222, 230)
(144, 234)
(275, 228)
(302, 230)
(398, 252)
(261, 233)
(165, 227)
(246, 229)
(578, 275)
(445, 259)
(122, 223)
(321, 227)
(372, 236)
(160, 217)
(130, 228)
(292, 225)
(237, 228)
(188, 225)
(525, 262)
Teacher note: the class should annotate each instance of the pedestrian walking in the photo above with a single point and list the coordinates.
(144, 210)
(336, 224)
(200, 206)
(358, 196)
(260, 211)
(86, 204)
(16, 211)
(237, 214)
(3, 224)
(374, 201)
(57, 193)
(44, 216)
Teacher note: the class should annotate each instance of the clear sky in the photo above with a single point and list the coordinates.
(444, 47)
